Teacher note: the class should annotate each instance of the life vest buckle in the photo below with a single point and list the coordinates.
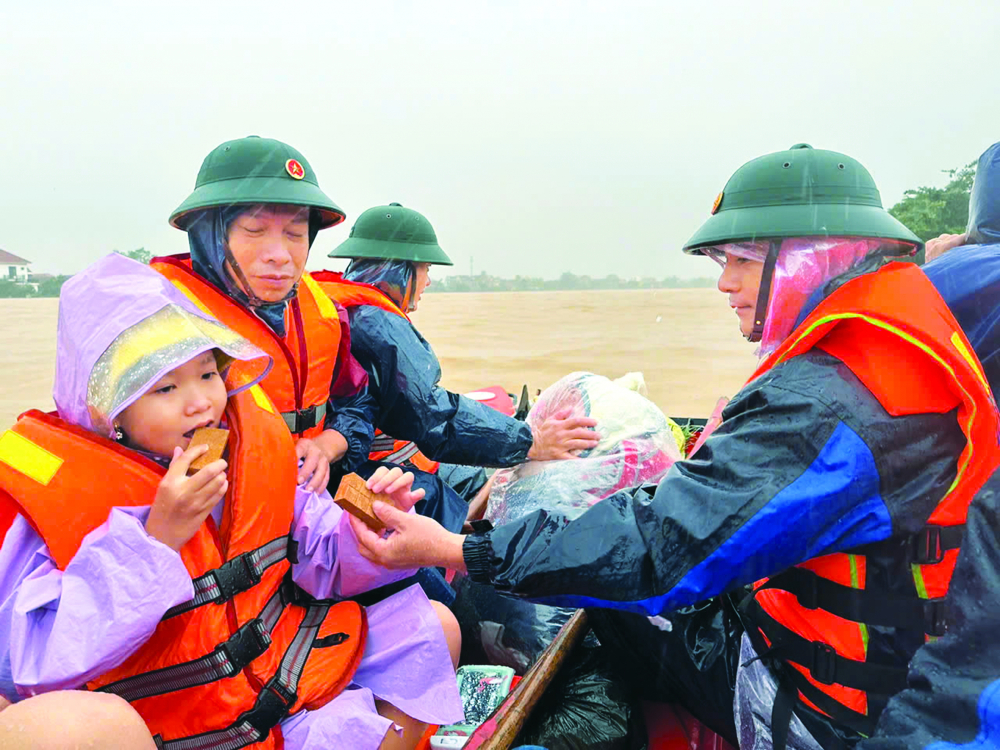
(236, 576)
(283, 692)
(292, 593)
(927, 547)
(267, 712)
(249, 642)
(824, 663)
(304, 419)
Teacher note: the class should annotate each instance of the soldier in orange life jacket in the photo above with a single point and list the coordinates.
(251, 220)
(824, 516)
(210, 600)
(392, 249)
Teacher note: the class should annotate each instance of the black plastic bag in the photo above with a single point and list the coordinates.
(585, 709)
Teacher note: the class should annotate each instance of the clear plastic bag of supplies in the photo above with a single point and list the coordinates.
(638, 445)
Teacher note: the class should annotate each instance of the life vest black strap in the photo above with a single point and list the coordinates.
(926, 547)
(235, 576)
(273, 702)
(862, 605)
(304, 419)
(793, 680)
(251, 640)
(822, 660)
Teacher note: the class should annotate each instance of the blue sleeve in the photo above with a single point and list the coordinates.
(404, 373)
(352, 417)
(790, 475)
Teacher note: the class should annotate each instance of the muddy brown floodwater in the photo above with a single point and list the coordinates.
(684, 341)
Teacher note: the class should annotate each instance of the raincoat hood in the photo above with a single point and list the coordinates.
(393, 277)
(122, 326)
(984, 202)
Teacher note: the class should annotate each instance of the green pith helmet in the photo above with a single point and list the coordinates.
(256, 170)
(392, 233)
(802, 192)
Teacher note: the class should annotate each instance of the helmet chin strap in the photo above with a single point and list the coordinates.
(254, 300)
(764, 291)
(411, 288)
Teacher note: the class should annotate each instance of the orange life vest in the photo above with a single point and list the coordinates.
(250, 647)
(896, 334)
(305, 359)
(350, 294)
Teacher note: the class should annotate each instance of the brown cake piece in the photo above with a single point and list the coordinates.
(215, 439)
(354, 497)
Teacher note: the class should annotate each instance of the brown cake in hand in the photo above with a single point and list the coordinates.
(215, 439)
(354, 497)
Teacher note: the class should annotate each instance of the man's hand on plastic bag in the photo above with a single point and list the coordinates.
(414, 542)
(563, 436)
(938, 246)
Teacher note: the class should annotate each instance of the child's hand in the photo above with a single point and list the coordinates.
(396, 485)
(315, 464)
(182, 503)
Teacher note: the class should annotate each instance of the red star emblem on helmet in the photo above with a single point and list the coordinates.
(295, 169)
(718, 202)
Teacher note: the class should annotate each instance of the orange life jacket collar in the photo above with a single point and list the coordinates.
(305, 359)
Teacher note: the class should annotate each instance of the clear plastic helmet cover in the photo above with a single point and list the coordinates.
(146, 351)
(804, 265)
(394, 277)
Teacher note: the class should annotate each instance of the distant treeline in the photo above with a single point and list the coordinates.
(51, 286)
(927, 211)
(484, 282)
(46, 288)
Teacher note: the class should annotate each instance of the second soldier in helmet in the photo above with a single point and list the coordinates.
(392, 249)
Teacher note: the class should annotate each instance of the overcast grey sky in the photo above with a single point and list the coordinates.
(536, 136)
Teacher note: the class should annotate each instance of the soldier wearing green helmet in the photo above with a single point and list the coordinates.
(391, 249)
(251, 219)
(804, 554)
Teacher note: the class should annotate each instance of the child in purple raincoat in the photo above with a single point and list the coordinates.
(61, 628)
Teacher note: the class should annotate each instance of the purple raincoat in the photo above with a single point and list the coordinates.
(59, 629)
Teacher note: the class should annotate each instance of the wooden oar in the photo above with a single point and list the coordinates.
(500, 730)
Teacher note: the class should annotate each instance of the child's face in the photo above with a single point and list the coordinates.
(186, 398)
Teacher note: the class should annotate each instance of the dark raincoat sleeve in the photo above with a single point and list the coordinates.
(954, 682)
(805, 463)
(404, 374)
(352, 409)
